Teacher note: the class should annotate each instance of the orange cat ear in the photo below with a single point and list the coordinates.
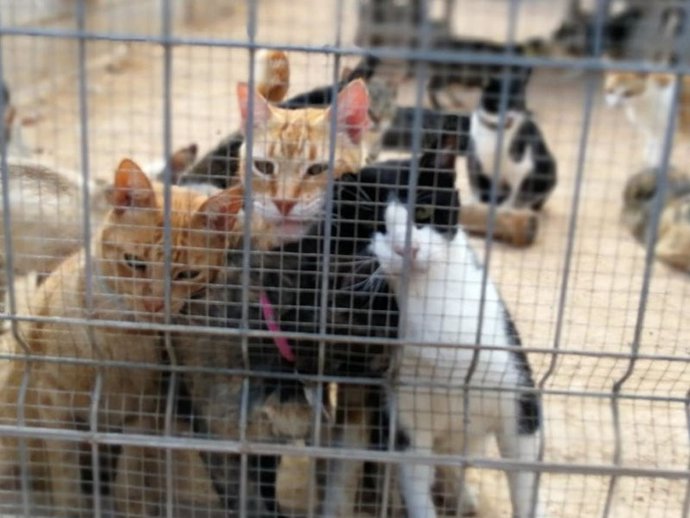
(131, 188)
(220, 210)
(261, 112)
(353, 110)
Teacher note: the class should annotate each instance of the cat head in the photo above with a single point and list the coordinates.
(290, 156)
(131, 251)
(490, 101)
(621, 88)
(364, 201)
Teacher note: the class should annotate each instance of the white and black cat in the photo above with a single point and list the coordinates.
(442, 301)
(528, 170)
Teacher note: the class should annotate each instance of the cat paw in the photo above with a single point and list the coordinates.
(468, 501)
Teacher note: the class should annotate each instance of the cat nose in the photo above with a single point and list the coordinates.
(412, 250)
(153, 305)
(284, 206)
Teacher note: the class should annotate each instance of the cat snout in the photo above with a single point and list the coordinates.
(153, 305)
(284, 206)
(410, 251)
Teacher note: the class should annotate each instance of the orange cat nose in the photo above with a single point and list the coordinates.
(153, 305)
(284, 206)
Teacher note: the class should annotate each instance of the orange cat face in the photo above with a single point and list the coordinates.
(290, 156)
(620, 87)
(131, 250)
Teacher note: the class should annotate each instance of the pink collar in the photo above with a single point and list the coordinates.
(269, 316)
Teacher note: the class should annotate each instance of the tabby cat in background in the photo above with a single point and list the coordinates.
(672, 244)
(127, 282)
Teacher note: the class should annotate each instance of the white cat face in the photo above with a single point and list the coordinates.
(425, 248)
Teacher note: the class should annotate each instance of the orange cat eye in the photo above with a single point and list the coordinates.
(187, 275)
(264, 167)
(317, 169)
(135, 263)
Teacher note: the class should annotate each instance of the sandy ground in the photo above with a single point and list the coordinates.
(602, 285)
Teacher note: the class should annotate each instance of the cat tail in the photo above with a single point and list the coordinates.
(272, 74)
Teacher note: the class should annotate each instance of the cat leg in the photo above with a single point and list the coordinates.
(456, 498)
(137, 487)
(57, 410)
(416, 480)
(653, 150)
(344, 476)
(65, 478)
(519, 439)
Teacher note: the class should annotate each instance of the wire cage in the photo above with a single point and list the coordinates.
(345, 258)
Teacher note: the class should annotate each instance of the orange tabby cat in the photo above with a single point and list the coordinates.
(127, 285)
(291, 158)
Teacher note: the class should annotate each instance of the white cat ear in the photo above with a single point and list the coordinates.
(353, 110)
(131, 188)
(262, 109)
(219, 212)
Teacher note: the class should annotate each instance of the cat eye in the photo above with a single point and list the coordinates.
(187, 275)
(135, 263)
(423, 213)
(265, 167)
(317, 169)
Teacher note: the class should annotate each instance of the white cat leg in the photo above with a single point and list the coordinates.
(416, 480)
(459, 499)
(653, 150)
(517, 444)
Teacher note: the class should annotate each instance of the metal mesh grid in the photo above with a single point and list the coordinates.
(194, 411)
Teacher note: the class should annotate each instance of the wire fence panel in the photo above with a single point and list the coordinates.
(348, 258)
